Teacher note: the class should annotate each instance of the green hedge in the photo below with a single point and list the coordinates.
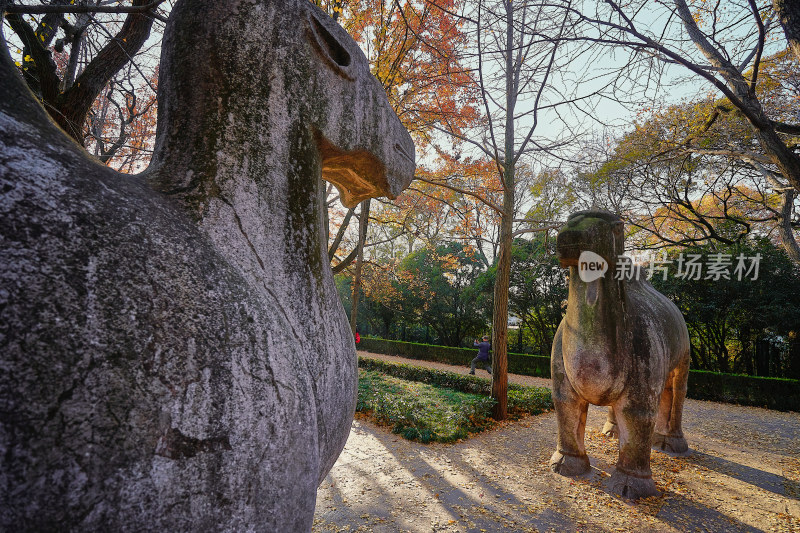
(518, 363)
(431, 376)
(772, 393)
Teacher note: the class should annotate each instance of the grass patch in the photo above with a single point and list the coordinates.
(419, 411)
(429, 405)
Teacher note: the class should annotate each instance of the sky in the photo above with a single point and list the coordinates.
(600, 117)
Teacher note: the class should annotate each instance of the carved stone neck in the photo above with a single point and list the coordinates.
(596, 324)
(239, 152)
(599, 305)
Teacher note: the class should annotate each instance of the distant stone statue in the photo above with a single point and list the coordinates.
(173, 352)
(621, 344)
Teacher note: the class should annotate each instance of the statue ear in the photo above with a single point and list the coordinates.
(618, 232)
(618, 228)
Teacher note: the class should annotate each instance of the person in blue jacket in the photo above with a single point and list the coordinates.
(483, 355)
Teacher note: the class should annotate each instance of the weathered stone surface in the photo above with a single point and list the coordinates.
(173, 353)
(621, 344)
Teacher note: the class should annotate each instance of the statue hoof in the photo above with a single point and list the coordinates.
(667, 443)
(632, 487)
(569, 465)
(610, 429)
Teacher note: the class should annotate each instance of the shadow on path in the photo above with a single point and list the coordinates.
(759, 478)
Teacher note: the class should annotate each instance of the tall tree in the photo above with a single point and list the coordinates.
(720, 43)
(690, 172)
(517, 52)
(734, 318)
(437, 285)
(68, 94)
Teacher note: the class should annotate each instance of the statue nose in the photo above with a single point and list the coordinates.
(402, 150)
(570, 238)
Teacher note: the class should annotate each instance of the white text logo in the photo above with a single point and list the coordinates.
(591, 266)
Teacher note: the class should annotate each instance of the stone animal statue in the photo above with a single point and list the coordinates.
(173, 352)
(621, 344)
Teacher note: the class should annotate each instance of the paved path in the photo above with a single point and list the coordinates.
(743, 475)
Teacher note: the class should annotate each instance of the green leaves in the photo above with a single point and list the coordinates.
(727, 318)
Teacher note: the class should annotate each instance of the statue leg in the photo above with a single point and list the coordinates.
(610, 427)
(633, 478)
(570, 457)
(668, 434)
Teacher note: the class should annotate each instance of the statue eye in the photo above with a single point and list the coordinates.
(329, 46)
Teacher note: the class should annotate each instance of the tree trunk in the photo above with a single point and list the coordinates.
(785, 227)
(500, 313)
(69, 107)
(788, 12)
(782, 156)
(746, 356)
(362, 237)
(762, 357)
(500, 322)
(793, 370)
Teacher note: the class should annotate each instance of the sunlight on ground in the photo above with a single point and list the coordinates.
(500, 480)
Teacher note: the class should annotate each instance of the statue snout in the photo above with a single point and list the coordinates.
(569, 246)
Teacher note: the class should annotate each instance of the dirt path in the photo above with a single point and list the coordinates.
(743, 475)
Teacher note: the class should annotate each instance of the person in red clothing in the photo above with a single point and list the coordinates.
(358, 337)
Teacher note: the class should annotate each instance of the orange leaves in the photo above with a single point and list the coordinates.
(121, 124)
(413, 47)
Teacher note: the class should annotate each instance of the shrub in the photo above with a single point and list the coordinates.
(419, 411)
(431, 376)
(428, 405)
(529, 400)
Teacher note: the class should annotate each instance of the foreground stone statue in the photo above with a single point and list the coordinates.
(621, 344)
(173, 352)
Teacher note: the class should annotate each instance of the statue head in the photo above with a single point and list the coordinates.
(278, 78)
(596, 231)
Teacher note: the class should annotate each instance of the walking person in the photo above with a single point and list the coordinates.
(483, 355)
